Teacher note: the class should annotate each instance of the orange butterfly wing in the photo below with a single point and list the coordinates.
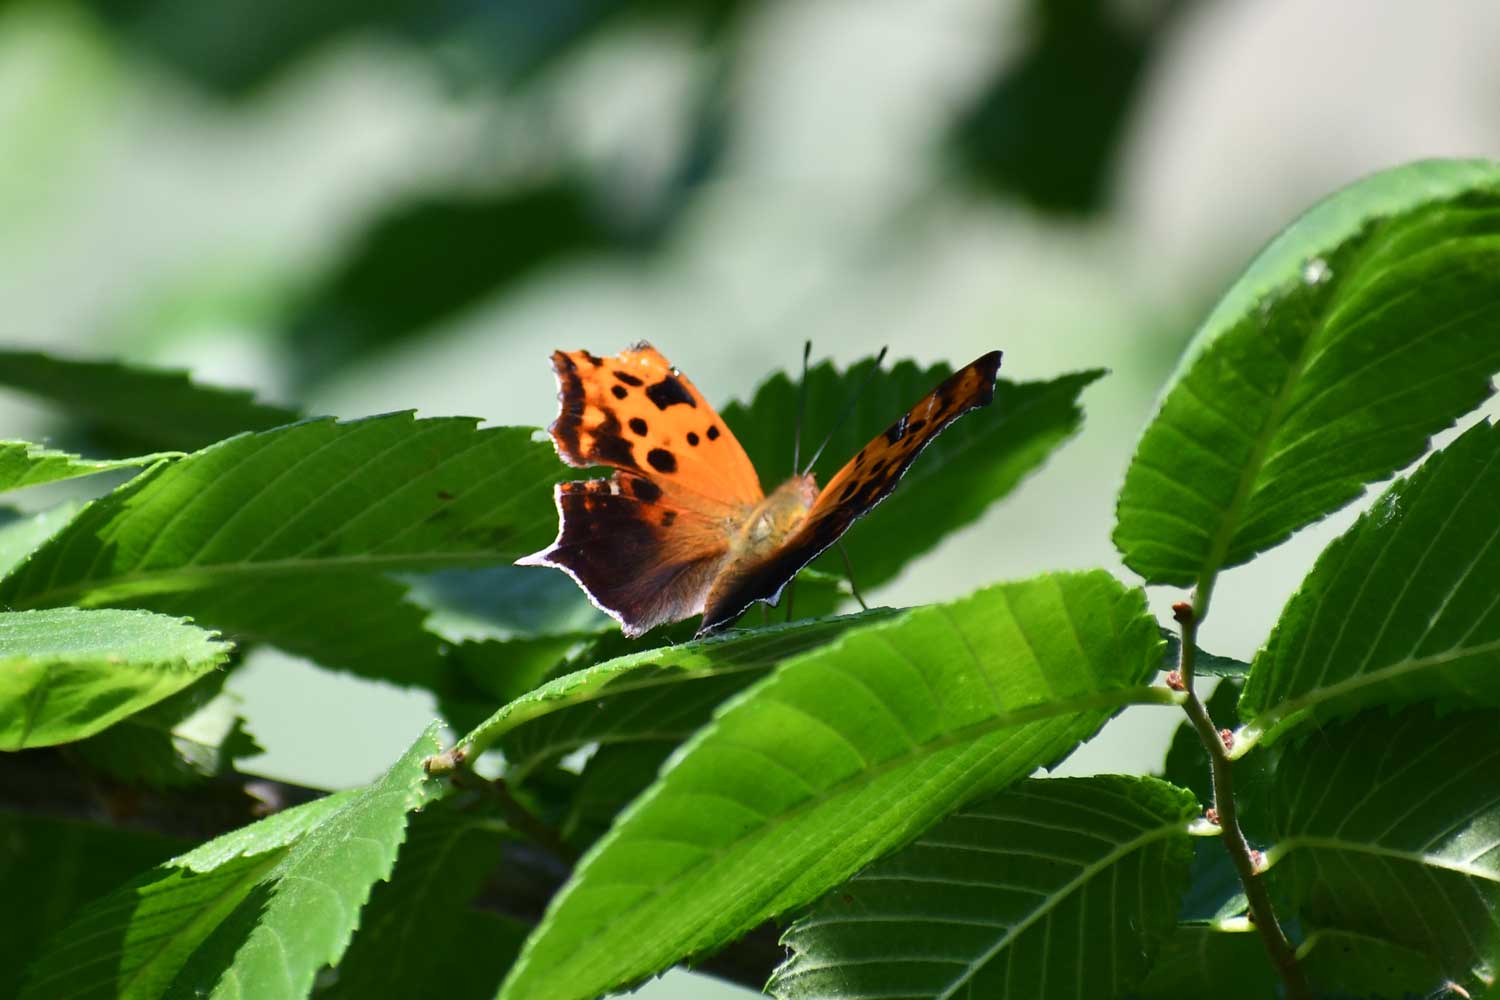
(864, 481)
(646, 544)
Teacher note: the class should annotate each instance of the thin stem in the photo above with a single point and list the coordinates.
(516, 814)
(1262, 914)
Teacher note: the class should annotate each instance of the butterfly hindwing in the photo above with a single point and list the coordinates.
(864, 481)
(639, 558)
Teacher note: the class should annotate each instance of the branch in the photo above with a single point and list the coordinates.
(1226, 812)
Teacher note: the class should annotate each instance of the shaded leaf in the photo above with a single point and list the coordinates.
(844, 753)
(155, 408)
(1205, 664)
(1386, 827)
(1364, 328)
(66, 674)
(195, 734)
(972, 464)
(23, 464)
(417, 930)
(57, 866)
(1053, 888)
(1401, 608)
(130, 943)
(611, 779)
(1359, 965)
(1201, 960)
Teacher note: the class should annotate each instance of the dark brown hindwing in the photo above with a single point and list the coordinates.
(612, 540)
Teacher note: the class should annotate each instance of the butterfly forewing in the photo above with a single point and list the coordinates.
(864, 481)
(636, 412)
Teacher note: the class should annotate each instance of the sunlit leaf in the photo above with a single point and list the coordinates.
(66, 674)
(23, 464)
(1367, 326)
(1402, 608)
(844, 753)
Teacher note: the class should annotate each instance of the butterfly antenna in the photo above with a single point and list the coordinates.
(848, 407)
(801, 408)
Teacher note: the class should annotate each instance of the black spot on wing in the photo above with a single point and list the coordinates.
(897, 430)
(639, 426)
(668, 518)
(692, 438)
(669, 392)
(627, 378)
(593, 359)
(662, 460)
(713, 433)
(645, 490)
(620, 391)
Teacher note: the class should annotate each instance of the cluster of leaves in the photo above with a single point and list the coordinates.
(869, 776)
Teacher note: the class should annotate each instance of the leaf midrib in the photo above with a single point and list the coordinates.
(1140, 694)
(1058, 897)
(1251, 732)
(1286, 846)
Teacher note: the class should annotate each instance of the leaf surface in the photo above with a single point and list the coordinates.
(1387, 827)
(1053, 888)
(130, 942)
(844, 753)
(417, 933)
(1364, 328)
(300, 916)
(1402, 608)
(286, 535)
(23, 464)
(66, 674)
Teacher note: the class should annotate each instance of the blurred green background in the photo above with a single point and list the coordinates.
(360, 207)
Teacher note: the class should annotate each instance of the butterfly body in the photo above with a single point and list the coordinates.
(683, 526)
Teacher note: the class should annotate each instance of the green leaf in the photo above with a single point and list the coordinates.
(611, 779)
(301, 915)
(130, 943)
(843, 754)
(23, 464)
(66, 674)
(1205, 664)
(1364, 328)
(284, 535)
(1387, 827)
(1360, 965)
(1054, 888)
(49, 868)
(968, 467)
(156, 407)
(1401, 608)
(1202, 960)
(661, 693)
(417, 934)
(195, 734)
(20, 534)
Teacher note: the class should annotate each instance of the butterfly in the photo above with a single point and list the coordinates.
(683, 526)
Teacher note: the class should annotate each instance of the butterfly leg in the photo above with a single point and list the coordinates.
(791, 592)
(849, 571)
